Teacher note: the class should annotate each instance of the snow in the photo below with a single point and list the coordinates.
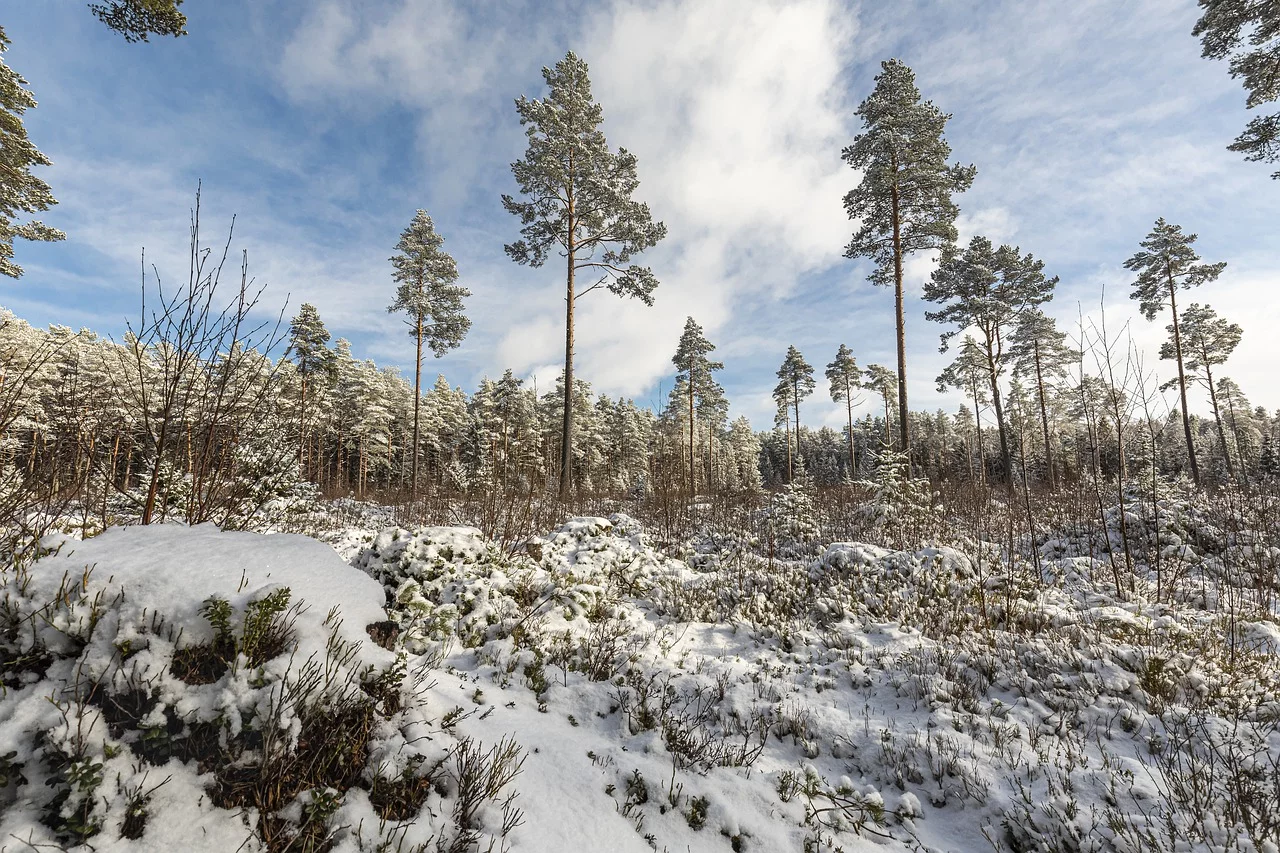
(851, 699)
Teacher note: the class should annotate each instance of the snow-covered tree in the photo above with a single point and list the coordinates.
(308, 340)
(904, 200)
(578, 198)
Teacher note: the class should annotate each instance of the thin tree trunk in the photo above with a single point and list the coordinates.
(795, 397)
(693, 483)
(1006, 458)
(790, 469)
(1217, 417)
(566, 434)
(1182, 378)
(977, 419)
(904, 427)
(1044, 419)
(848, 401)
(417, 401)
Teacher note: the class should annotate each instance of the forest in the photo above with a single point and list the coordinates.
(255, 583)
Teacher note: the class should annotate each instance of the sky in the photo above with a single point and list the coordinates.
(323, 126)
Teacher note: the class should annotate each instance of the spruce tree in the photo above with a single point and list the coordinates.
(845, 378)
(1248, 33)
(904, 201)
(578, 198)
(988, 289)
(797, 375)
(20, 191)
(1040, 351)
(695, 371)
(1166, 263)
(1207, 342)
(427, 294)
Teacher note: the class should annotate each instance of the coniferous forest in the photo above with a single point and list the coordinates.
(261, 592)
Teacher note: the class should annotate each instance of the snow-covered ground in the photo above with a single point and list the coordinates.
(864, 699)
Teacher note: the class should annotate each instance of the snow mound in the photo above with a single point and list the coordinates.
(175, 688)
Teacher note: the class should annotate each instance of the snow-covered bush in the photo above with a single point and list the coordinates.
(173, 688)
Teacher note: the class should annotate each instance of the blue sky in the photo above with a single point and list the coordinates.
(324, 125)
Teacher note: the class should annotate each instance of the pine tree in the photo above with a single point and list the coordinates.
(988, 289)
(427, 293)
(1207, 342)
(1040, 351)
(307, 343)
(695, 371)
(20, 191)
(881, 380)
(1166, 263)
(845, 377)
(579, 198)
(904, 200)
(137, 19)
(1248, 32)
(1245, 432)
(797, 375)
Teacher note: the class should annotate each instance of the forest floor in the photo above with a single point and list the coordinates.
(399, 689)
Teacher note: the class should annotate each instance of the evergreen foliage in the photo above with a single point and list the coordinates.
(20, 191)
(578, 198)
(904, 200)
(845, 377)
(1166, 263)
(1247, 33)
(433, 302)
(988, 289)
(138, 19)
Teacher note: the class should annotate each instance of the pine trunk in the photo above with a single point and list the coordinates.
(904, 427)
(1006, 458)
(566, 432)
(1044, 419)
(795, 396)
(1182, 379)
(1217, 418)
(417, 402)
(848, 401)
(693, 455)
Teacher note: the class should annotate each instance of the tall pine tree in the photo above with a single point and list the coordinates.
(796, 375)
(695, 371)
(1165, 264)
(578, 197)
(427, 294)
(904, 201)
